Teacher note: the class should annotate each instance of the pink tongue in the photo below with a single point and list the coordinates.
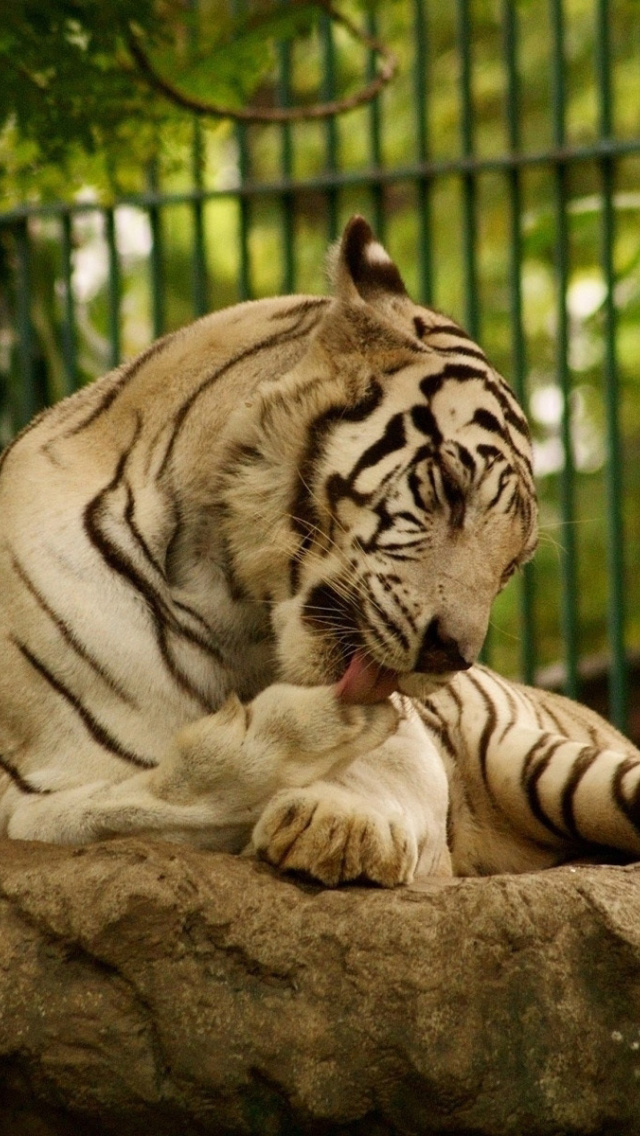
(366, 681)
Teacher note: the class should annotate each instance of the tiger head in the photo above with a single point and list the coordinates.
(380, 495)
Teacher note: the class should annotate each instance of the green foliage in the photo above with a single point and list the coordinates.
(74, 104)
(65, 84)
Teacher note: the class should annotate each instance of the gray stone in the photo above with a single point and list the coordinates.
(147, 988)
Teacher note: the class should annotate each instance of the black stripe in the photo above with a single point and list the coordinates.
(594, 734)
(443, 727)
(97, 731)
(456, 698)
(510, 700)
(70, 637)
(440, 728)
(389, 586)
(159, 570)
(410, 518)
(529, 779)
(364, 407)
(129, 517)
(307, 304)
(488, 451)
(435, 488)
(494, 383)
(414, 484)
(580, 766)
(376, 634)
(305, 519)
(487, 730)
(630, 809)
(513, 712)
(120, 380)
(387, 621)
(514, 504)
(466, 458)
(508, 404)
(18, 780)
(539, 716)
(130, 520)
(400, 551)
(424, 420)
(393, 439)
(164, 618)
(504, 480)
(430, 385)
(450, 328)
(547, 712)
(456, 499)
(487, 421)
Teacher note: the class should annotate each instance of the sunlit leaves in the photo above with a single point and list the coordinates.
(70, 87)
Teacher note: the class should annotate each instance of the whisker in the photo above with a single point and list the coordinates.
(503, 632)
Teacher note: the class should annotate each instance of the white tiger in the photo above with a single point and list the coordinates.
(244, 581)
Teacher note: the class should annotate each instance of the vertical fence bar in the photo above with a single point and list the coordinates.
(615, 545)
(331, 126)
(567, 475)
(423, 182)
(157, 258)
(238, 8)
(200, 271)
(25, 399)
(199, 268)
(518, 356)
(113, 297)
(245, 288)
(469, 227)
(375, 147)
(69, 345)
(287, 201)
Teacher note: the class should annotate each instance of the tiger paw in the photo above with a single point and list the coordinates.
(286, 737)
(335, 836)
(306, 732)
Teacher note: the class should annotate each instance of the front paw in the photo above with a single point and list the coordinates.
(333, 835)
(309, 731)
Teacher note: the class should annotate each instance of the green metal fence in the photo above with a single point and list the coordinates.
(502, 169)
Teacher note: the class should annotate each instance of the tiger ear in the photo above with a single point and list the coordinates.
(362, 267)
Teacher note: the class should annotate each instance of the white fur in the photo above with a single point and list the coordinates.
(376, 254)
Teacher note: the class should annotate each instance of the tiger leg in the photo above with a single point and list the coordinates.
(383, 819)
(218, 775)
(547, 799)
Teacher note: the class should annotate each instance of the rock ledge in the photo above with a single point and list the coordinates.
(152, 990)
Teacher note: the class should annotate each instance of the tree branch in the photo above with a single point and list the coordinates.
(388, 65)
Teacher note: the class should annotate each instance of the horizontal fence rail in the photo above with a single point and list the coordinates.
(478, 171)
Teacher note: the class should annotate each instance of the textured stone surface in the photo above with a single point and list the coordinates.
(150, 989)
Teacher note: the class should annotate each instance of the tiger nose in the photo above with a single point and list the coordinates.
(439, 653)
